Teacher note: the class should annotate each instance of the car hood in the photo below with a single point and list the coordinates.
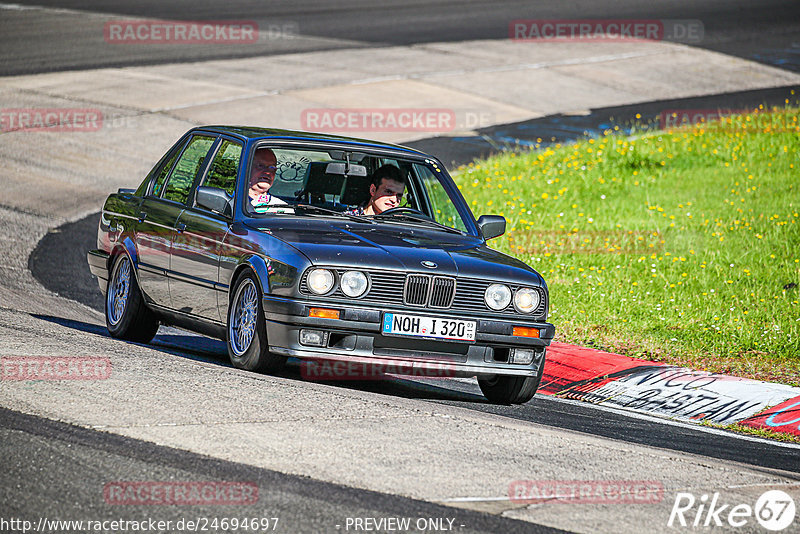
(403, 247)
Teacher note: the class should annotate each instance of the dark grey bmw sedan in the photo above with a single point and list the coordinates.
(345, 253)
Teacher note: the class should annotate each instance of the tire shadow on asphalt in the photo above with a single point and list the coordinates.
(204, 349)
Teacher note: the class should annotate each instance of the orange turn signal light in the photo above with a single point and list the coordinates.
(323, 313)
(523, 331)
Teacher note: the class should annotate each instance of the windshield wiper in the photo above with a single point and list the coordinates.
(418, 218)
(319, 209)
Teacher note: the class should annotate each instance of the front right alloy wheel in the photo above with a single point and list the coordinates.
(247, 332)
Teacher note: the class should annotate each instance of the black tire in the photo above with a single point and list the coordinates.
(511, 389)
(249, 349)
(127, 316)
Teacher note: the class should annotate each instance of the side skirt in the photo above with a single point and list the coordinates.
(190, 322)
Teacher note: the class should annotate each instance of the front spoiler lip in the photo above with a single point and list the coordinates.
(406, 366)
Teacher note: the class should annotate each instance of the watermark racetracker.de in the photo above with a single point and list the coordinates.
(429, 120)
(749, 120)
(606, 30)
(334, 370)
(51, 119)
(62, 120)
(196, 32)
(180, 493)
(549, 242)
(586, 491)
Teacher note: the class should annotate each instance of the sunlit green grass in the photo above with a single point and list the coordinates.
(680, 246)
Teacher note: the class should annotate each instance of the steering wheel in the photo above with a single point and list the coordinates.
(404, 209)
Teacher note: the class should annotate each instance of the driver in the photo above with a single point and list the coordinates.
(262, 176)
(385, 190)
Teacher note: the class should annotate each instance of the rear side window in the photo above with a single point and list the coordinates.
(189, 164)
(225, 167)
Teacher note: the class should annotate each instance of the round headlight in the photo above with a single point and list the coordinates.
(353, 283)
(320, 281)
(497, 296)
(526, 300)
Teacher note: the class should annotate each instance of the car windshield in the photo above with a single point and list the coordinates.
(368, 187)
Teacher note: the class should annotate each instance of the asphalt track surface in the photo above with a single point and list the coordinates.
(564, 128)
(37, 41)
(73, 490)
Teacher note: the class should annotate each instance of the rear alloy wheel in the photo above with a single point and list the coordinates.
(247, 333)
(127, 317)
(511, 389)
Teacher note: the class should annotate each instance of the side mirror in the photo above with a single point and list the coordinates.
(492, 226)
(214, 199)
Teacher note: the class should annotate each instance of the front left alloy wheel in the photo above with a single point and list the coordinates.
(247, 333)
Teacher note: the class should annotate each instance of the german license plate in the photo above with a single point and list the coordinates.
(396, 324)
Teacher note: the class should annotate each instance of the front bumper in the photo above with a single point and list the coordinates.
(356, 338)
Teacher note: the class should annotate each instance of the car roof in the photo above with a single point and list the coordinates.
(254, 133)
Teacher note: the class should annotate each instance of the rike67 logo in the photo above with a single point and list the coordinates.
(774, 510)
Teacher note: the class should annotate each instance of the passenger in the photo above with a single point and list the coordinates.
(386, 191)
(262, 176)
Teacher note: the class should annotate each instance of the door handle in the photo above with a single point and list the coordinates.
(180, 227)
(142, 216)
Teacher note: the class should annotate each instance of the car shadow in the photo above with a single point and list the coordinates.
(200, 348)
(190, 346)
(398, 386)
